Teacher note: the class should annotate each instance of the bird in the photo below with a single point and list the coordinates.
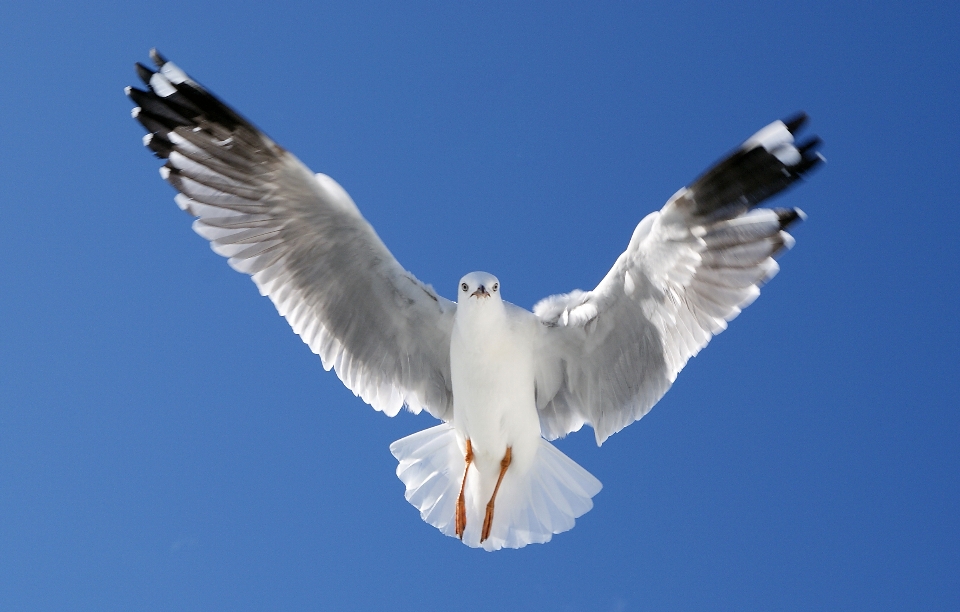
(503, 381)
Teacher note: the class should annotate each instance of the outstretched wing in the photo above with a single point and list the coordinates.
(609, 355)
(305, 244)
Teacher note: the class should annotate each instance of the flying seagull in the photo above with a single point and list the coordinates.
(503, 380)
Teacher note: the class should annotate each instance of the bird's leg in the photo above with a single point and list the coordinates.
(461, 518)
(488, 519)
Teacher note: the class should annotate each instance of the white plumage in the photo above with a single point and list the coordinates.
(502, 379)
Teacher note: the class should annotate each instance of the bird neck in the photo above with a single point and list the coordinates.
(483, 318)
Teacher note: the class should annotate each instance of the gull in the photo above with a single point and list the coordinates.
(502, 380)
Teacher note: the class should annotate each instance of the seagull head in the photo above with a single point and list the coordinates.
(478, 287)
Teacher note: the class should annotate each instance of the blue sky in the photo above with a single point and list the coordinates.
(167, 443)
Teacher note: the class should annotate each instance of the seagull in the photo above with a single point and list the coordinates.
(503, 381)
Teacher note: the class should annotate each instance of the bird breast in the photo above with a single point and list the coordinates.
(491, 366)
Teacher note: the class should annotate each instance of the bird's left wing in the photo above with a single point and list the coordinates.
(607, 356)
(304, 242)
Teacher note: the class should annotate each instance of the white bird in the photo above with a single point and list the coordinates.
(502, 379)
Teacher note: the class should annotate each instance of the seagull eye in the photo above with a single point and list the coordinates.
(496, 286)
(464, 286)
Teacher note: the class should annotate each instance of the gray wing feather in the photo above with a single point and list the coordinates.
(608, 355)
(306, 245)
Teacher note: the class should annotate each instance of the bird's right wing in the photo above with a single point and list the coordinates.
(608, 355)
(304, 242)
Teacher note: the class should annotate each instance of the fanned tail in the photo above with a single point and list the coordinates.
(530, 507)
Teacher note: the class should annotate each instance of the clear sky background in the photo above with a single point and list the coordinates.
(167, 443)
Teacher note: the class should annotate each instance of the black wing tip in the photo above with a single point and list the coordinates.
(160, 146)
(809, 156)
(158, 59)
(796, 121)
(809, 144)
(789, 216)
(158, 114)
(144, 73)
(752, 174)
(171, 101)
(182, 102)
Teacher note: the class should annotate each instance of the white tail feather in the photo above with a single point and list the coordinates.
(530, 507)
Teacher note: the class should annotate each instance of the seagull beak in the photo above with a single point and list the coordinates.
(480, 292)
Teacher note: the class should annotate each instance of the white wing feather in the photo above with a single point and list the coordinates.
(306, 245)
(608, 355)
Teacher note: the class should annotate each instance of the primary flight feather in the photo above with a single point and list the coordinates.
(503, 380)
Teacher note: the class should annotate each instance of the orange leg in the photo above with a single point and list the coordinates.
(488, 519)
(461, 518)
